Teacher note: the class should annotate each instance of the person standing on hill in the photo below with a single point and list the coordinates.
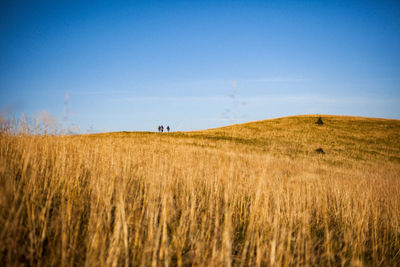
(162, 128)
(168, 128)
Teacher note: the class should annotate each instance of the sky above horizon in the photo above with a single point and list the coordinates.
(133, 65)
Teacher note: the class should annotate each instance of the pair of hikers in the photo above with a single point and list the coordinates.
(161, 128)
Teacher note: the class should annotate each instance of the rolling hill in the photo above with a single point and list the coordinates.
(284, 191)
(343, 138)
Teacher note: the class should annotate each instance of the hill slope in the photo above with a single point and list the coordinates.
(243, 195)
(341, 137)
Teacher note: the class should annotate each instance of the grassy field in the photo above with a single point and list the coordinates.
(254, 194)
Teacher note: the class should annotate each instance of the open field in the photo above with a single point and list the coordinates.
(255, 194)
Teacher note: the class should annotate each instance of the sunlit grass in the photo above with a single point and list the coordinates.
(245, 195)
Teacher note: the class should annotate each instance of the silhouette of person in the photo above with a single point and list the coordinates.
(162, 128)
(168, 128)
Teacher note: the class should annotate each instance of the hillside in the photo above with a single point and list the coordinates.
(245, 195)
(342, 138)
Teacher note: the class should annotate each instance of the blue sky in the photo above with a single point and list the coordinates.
(133, 65)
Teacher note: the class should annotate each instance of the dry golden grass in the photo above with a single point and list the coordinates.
(255, 194)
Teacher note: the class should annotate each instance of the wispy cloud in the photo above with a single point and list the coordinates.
(171, 98)
(96, 92)
(262, 98)
(322, 99)
(280, 79)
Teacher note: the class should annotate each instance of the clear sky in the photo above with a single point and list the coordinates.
(133, 65)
